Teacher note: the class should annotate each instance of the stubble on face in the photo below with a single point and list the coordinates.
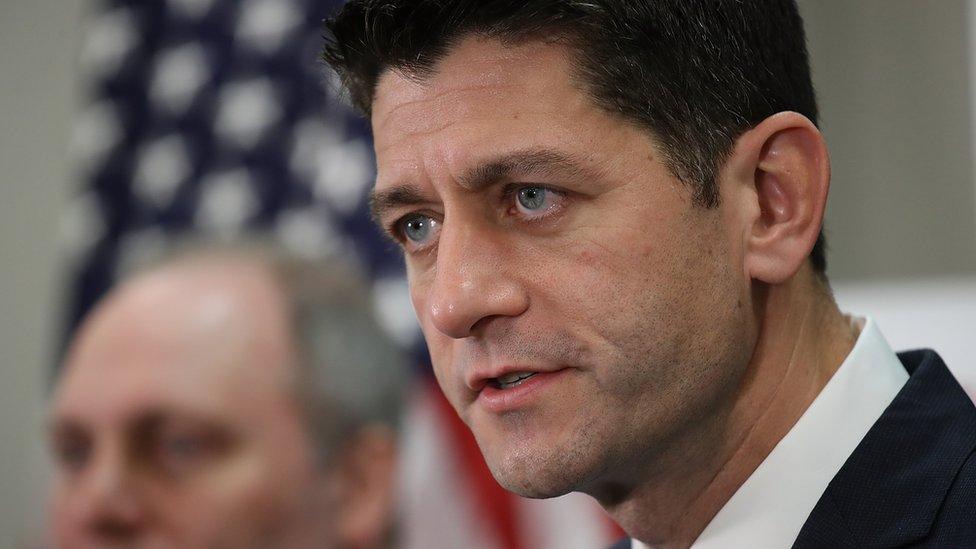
(630, 286)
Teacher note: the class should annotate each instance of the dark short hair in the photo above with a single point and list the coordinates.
(696, 73)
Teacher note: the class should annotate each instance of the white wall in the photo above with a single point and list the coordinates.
(895, 92)
(935, 313)
(38, 43)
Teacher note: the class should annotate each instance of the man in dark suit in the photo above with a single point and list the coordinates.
(611, 217)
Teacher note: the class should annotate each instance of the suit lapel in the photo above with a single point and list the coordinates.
(891, 488)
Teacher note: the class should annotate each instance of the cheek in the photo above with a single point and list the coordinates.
(603, 277)
(652, 285)
(65, 518)
(440, 348)
(419, 294)
(251, 496)
(233, 497)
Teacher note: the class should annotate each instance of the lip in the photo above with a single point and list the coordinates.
(499, 401)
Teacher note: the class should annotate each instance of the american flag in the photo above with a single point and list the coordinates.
(217, 117)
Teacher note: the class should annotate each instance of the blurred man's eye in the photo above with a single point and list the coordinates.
(72, 452)
(184, 446)
(175, 448)
(182, 452)
(71, 447)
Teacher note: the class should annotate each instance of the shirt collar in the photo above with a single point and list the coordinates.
(769, 509)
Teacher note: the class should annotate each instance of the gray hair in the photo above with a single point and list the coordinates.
(350, 373)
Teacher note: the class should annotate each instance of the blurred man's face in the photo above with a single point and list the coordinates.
(173, 425)
(581, 312)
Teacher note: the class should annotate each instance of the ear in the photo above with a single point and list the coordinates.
(784, 165)
(367, 480)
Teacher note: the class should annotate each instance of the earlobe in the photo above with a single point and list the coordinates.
(790, 182)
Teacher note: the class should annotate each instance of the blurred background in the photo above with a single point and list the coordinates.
(225, 134)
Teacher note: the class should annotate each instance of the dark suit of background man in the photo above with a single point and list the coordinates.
(611, 216)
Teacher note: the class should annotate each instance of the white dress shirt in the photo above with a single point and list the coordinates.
(770, 508)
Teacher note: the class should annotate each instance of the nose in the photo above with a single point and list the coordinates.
(476, 280)
(109, 507)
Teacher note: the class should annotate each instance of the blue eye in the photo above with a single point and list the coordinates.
(536, 202)
(417, 229)
(532, 198)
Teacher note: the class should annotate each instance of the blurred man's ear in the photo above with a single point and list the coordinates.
(783, 171)
(367, 486)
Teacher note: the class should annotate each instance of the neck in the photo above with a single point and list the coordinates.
(802, 340)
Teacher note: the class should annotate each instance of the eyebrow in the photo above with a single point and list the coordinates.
(397, 197)
(521, 163)
(57, 426)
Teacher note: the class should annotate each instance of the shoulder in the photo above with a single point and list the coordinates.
(912, 478)
(954, 525)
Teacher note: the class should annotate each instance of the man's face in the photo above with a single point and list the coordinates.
(173, 425)
(546, 238)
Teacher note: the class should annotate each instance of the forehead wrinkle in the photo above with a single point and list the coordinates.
(416, 121)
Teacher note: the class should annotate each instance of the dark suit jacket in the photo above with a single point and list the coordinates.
(912, 479)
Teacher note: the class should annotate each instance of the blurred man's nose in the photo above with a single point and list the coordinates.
(475, 281)
(108, 502)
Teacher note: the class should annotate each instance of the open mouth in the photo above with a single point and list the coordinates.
(511, 380)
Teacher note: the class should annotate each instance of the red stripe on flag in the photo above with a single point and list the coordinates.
(497, 504)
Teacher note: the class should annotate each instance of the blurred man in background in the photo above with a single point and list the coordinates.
(227, 398)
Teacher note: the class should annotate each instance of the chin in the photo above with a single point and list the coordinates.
(530, 485)
(542, 471)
